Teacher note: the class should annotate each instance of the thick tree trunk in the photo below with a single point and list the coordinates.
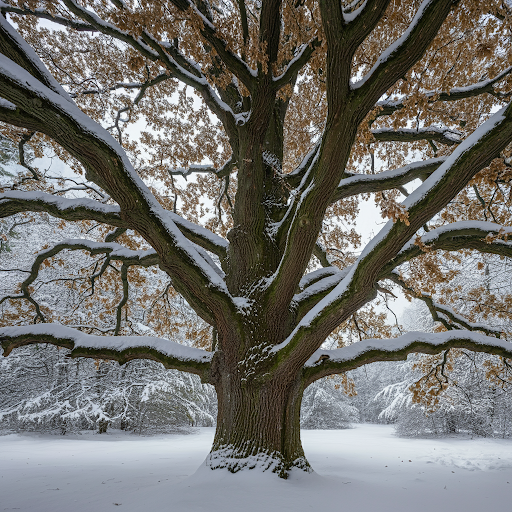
(258, 426)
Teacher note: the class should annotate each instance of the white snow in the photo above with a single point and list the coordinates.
(351, 352)
(362, 469)
(117, 343)
(7, 104)
(401, 41)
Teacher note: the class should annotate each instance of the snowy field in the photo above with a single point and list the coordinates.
(363, 469)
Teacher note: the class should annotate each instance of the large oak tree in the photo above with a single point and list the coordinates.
(301, 109)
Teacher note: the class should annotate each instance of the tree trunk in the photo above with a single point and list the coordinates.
(258, 425)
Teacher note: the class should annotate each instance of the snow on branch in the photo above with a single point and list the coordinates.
(15, 48)
(395, 49)
(401, 55)
(112, 251)
(475, 152)
(443, 313)
(17, 201)
(203, 287)
(367, 183)
(483, 236)
(224, 171)
(328, 362)
(444, 135)
(118, 348)
(300, 59)
(235, 64)
(388, 107)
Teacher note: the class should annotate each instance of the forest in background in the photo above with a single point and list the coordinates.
(43, 390)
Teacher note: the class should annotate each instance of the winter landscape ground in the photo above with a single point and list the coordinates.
(366, 468)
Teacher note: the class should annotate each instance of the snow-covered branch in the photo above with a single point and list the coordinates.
(386, 180)
(110, 168)
(443, 313)
(388, 107)
(300, 59)
(444, 135)
(486, 237)
(17, 201)
(232, 62)
(359, 285)
(397, 59)
(118, 348)
(329, 362)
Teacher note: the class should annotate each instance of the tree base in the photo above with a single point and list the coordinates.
(228, 457)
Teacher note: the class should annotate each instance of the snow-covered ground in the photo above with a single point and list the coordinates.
(363, 469)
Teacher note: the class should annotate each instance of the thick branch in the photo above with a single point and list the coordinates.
(444, 135)
(359, 286)
(456, 236)
(386, 180)
(398, 58)
(13, 202)
(329, 362)
(108, 166)
(117, 348)
(388, 107)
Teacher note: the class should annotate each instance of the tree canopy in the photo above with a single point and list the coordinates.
(288, 114)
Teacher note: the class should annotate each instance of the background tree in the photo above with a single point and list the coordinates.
(303, 109)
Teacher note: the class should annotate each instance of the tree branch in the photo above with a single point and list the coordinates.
(370, 183)
(482, 236)
(443, 135)
(108, 166)
(330, 362)
(117, 348)
(452, 319)
(359, 286)
(388, 107)
(399, 57)
(17, 201)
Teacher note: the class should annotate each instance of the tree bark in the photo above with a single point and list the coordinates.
(258, 425)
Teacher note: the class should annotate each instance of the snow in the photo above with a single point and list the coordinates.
(366, 468)
(351, 352)
(25, 80)
(118, 343)
(401, 41)
(7, 104)
(34, 58)
(465, 227)
(351, 16)
(394, 173)
(62, 203)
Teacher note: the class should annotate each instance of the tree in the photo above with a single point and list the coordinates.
(301, 107)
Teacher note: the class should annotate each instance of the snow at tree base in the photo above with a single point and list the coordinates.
(285, 117)
(365, 468)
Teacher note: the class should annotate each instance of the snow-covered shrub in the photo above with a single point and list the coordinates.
(467, 402)
(43, 390)
(325, 406)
